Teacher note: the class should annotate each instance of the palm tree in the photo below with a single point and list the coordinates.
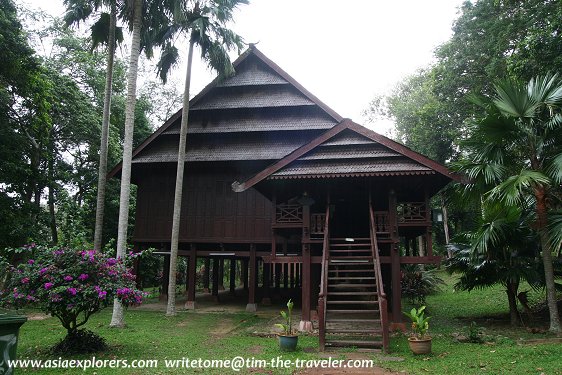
(104, 30)
(516, 150)
(502, 251)
(205, 23)
(117, 319)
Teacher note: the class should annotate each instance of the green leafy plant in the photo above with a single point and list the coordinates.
(287, 327)
(418, 282)
(420, 323)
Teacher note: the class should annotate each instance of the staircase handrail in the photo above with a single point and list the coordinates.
(324, 281)
(380, 287)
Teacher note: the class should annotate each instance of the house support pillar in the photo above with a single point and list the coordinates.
(232, 276)
(165, 278)
(221, 274)
(396, 285)
(215, 291)
(252, 306)
(266, 300)
(245, 273)
(305, 323)
(191, 278)
(206, 273)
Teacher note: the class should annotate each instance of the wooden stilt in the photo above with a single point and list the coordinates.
(245, 273)
(395, 261)
(165, 278)
(221, 274)
(277, 277)
(286, 275)
(191, 278)
(215, 291)
(305, 323)
(266, 300)
(206, 273)
(232, 276)
(252, 305)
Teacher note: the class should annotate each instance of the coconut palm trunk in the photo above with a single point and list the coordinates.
(102, 173)
(171, 308)
(117, 319)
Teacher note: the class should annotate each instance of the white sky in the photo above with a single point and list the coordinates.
(344, 52)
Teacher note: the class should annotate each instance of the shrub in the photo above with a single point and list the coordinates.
(71, 285)
(419, 282)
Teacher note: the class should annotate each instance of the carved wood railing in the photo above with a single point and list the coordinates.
(383, 305)
(324, 281)
(411, 212)
(288, 213)
(317, 224)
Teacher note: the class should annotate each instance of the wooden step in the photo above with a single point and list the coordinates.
(352, 293)
(351, 244)
(360, 331)
(365, 270)
(347, 285)
(345, 257)
(339, 320)
(358, 343)
(351, 277)
(352, 302)
(354, 238)
(352, 311)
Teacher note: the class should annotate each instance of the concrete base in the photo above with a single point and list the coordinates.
(266, 301)
(221, 287)
(252, 307)
(206, 290)
(190, 305)
(305, 326)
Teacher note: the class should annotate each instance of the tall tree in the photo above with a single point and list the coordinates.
(104, 30)
(516, 149)
(205, 23)
(117, 318)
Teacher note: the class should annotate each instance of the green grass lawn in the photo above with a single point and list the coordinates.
(151, 335)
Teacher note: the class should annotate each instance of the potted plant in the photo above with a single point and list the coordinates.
(288, 338)
(419, 340)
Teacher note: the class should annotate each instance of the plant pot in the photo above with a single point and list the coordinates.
(288, 343)
(420, 346)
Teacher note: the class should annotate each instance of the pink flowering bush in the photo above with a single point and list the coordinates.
(71, 285)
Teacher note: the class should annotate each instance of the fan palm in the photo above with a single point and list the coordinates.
(515, 152)
(205, 23)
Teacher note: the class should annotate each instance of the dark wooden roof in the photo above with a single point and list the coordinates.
(348, 150)
(261, 113)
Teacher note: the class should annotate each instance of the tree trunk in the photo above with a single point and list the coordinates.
(446, 226)
(511, 291)
(102, 172)
(171, 308)
(51, 187)
(117, 319)
(540, 195)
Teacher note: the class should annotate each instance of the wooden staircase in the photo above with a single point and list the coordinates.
(352, 303)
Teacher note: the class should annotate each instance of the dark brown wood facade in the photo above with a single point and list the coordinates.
(278, 182)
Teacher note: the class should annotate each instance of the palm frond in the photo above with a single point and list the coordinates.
(512, 100)
(514, 189)
(168, 59)
(545, 89)
(554, 168)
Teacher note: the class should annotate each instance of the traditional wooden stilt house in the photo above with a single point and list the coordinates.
(298, 195)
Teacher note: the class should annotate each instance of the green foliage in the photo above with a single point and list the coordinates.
(288, 316)
(418, 282)
(70, 284)
(420, 323)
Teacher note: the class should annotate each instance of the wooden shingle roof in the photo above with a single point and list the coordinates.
(259, 98)
(348, 150)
